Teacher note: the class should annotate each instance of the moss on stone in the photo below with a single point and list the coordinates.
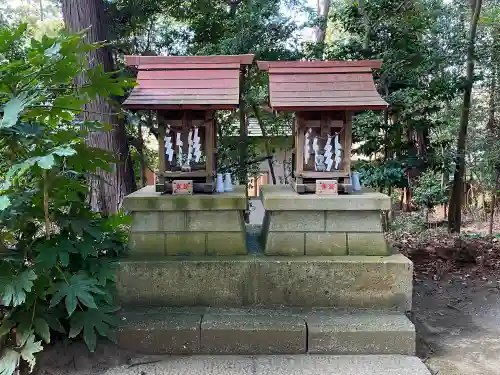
(208, 204)
(181, 203)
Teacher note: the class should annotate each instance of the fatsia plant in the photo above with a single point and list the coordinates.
(57, 264)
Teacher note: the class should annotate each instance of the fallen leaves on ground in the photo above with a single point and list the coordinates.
(437, 254)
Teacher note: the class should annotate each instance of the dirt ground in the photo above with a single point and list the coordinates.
(456, 299)
(458, 325)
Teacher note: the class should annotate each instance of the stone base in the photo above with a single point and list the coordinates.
(253, 334)
(238, 331)
(322, 225)
(362, 333)
(298, 364)
(366, 282)
(186, 225)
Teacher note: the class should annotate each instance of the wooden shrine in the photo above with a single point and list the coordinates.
(185, 91)
(323, 95)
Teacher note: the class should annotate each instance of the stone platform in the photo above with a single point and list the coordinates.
(269, 281)
(167, 225)
(257, 331)
(298, 224)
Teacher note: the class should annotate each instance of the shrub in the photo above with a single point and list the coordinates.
(428, 191)
(57, 268)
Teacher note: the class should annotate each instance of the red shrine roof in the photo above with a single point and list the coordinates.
(186, 82)
(322, 85)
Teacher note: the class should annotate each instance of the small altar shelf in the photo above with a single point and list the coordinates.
(185, 91)
(323, 95)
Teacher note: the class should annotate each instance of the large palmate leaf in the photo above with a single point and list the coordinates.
(12, 110)
(79, 288)
(42, 329)
(101, 320)
(13, 287)
(9, 361)
(50, 252)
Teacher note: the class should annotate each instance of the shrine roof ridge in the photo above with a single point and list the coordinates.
(177, 62)
(369, 64)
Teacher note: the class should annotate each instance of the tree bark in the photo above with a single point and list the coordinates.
(41, 11)
(323, 8)
(109, 188)
(366, 26)
(455, 209)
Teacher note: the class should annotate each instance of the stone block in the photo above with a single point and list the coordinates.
(284, 198)
(146, 222)
(293, 221)
(365, 282)
(326, 243)
(328, 365)
(172, 221)
(226, 243)
(185, 243)
(146, 243)
(373, 333)
(147, 199)
(215, 221)
(205, 281)
(154, 332)
(353, 221)
(284, 243)
(367, 244)
(253, 334)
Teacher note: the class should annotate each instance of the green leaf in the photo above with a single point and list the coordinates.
(9, 362)
(52, 317)
(64, 151)
(46, 162)
(101, 320)
(30, 348)
(4, 202)
(12, 110)
(53, 51)
(49, 252)
(42, 329)
(79, 288)
(13, 287)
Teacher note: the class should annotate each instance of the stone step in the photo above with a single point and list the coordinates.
(252, 331)
(279, 365)
(357, 282)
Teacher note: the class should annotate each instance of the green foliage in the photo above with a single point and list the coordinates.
(428, 191)
(380, 174)
(58, 266)
(405, 224)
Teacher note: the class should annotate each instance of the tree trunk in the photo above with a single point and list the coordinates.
(41, 11)
(108, 190)
(366, 26)
(494, 203)
(323, 8)
(455, 209)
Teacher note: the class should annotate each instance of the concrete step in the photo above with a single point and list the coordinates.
(252, 331)
(280, 365)
(357, 282)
